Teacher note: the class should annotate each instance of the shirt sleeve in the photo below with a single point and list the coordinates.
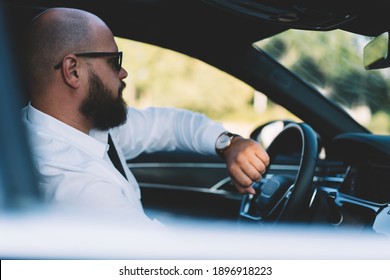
(166, 129)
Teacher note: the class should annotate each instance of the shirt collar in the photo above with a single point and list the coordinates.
(95, 143)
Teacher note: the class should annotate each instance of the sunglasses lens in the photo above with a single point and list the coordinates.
(119, 61)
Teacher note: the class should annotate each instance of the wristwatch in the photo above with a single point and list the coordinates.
(224, 141)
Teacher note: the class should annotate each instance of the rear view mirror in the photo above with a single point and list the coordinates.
(376, 53)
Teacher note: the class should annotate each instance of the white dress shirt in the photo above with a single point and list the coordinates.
(74, 167)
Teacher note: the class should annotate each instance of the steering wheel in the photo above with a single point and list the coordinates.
(285, 197)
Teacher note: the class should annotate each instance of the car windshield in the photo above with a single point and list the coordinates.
(332, 61)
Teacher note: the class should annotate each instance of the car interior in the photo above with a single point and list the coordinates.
(327, 170)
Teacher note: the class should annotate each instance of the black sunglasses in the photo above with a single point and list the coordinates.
(117, 58)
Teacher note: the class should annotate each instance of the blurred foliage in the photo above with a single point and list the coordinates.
(333, 64)
(160, 77)
(164, 78)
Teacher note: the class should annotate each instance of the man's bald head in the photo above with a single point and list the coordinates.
(53, 34)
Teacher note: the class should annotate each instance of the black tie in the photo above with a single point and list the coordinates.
(112, 153)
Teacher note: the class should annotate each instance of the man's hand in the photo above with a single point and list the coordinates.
(246, 162)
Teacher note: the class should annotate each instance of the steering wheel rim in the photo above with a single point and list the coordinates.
(297, 204)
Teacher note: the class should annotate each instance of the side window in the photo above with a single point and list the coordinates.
(161, 77)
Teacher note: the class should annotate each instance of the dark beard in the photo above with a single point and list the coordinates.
(101, 107)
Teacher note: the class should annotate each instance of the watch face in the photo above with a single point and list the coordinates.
(222, 142)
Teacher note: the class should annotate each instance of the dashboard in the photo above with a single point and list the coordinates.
(368, 158)
(352, 189)
(363, 196)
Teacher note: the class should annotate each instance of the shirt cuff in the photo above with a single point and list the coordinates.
(210, 137)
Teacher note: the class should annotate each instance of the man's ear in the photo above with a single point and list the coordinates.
(71, 70)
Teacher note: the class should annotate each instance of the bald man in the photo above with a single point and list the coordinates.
(82, 132)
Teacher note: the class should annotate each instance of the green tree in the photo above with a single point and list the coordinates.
(334, 64)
